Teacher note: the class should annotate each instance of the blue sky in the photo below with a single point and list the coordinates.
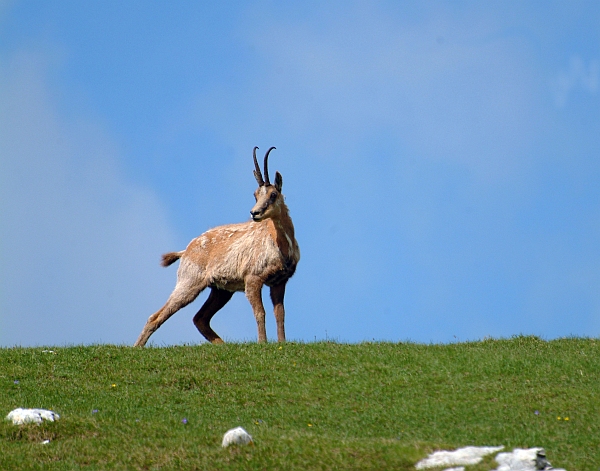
(440, 160)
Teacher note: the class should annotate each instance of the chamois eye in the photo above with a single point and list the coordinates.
(273, 196)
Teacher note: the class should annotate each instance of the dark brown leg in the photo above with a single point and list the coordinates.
(277, 294)
(216, 300)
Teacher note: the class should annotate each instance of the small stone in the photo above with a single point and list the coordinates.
(236, 436)
(31, 416)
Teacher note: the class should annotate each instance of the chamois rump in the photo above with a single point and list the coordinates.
(236, 257)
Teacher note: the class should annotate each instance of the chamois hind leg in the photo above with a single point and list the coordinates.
(253, 293)
(216, 300)
(277, 294)
(183, 294)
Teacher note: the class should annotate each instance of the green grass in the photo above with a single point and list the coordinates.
(308, 406)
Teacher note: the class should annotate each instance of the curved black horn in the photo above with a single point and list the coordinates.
(257, 173)
(266, 169)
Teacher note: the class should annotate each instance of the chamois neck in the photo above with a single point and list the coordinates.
(284, 221)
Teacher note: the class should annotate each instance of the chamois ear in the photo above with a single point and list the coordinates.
(278, 181)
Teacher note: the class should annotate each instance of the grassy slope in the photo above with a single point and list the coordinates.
(308, 406)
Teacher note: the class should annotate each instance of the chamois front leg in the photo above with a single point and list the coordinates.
(277, 294)
(253, 292)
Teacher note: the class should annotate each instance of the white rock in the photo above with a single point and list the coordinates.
(463, 456)
(519, 460)
(31, 416)
(236, 436)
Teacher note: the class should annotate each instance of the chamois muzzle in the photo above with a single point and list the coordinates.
(261, 208)
(256, 215)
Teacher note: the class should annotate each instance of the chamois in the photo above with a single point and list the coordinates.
(236, 257)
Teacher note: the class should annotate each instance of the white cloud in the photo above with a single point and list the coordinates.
(80, 244)
(4, 7)
(578, 75)
(438, 87)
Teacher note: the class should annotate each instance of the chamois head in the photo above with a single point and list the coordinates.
(268, 197)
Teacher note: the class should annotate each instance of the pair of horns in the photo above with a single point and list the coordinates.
(257, 174)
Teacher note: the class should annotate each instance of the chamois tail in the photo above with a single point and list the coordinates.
(170, 258)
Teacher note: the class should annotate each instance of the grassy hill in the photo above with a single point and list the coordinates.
(308, 406)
